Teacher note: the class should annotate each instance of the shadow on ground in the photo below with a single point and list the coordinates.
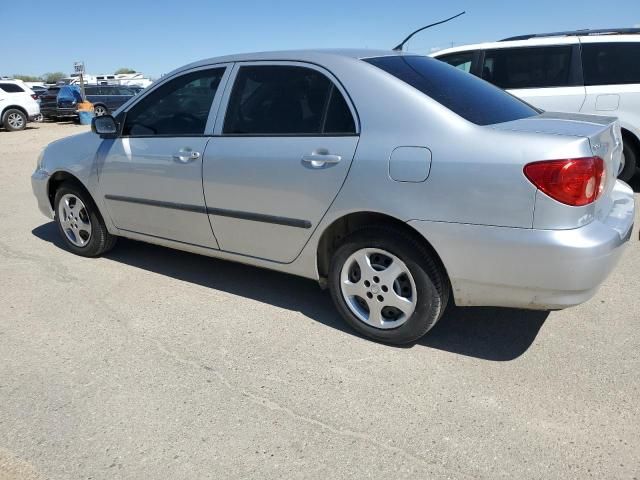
(497, 334)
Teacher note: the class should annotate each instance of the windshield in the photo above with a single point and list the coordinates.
(462, 93)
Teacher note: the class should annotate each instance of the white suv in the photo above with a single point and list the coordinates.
(18, 105)
(587, 71)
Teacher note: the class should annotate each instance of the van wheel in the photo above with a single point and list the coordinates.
(14, 120)
(80, 223)
(629, 162)
(387, 285)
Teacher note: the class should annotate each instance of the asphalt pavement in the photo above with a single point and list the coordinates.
(151, 363)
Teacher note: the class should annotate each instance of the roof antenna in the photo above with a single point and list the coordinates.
(398, 48)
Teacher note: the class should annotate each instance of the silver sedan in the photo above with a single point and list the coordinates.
(395, 180)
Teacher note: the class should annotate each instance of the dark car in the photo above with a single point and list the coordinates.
(105, 99)
(38, 90)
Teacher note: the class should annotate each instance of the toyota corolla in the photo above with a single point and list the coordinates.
(397, 181)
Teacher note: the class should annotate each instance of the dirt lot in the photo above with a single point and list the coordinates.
(151, 363)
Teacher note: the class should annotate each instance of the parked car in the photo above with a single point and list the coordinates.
(108, 98)
(105, 99)
(396, 180)
(38, 90)
(586, 71)
(18, 105)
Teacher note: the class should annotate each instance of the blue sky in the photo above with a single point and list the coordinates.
(156, 36)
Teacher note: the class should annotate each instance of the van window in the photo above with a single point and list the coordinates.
(461, 60)
(611, 63)
(286, 100)
(463, 94)
(531, 67)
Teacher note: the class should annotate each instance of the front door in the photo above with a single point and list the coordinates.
(151, 177)
(279, 159)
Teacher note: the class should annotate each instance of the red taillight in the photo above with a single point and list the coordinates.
(34, 96)
(574, 181)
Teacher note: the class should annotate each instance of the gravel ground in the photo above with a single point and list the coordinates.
(152, 363)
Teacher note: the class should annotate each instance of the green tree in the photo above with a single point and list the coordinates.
(27, 78)
(125, 70)
(53, 77)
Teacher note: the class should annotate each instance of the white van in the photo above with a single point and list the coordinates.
(587, 71)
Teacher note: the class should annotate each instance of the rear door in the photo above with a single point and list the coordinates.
(547, 77)
(612, 77)
(151, 177)
(279, 157)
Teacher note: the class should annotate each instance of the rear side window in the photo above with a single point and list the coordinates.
(90, 90)
(460, 60)
(286, 100)
(535, 67)
(464, 94)
(11, 88)
(611, 63)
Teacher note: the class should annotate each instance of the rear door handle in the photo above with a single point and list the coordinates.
(319, 160)
(186, 155)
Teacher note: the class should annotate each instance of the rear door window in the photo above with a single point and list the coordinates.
(535, 67)
(461, 60)
(611, 63)
(286, 100)
(11, 88)
(463, 94)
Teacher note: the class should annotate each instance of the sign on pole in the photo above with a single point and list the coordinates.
(78, 67)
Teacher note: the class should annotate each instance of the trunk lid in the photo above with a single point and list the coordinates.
(604, 139)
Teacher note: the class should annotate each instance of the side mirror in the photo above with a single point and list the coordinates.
(105, 126)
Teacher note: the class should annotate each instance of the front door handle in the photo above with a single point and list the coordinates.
(319, 160)
(186, 155)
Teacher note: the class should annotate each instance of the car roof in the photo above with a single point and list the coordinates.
(540, 41)
(313, 56)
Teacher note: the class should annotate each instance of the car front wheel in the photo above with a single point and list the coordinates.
(80, 223)
(387, 285)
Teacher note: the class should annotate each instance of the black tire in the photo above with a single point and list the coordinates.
(11, 116)
(100, 240)
(631, 161)
(100, 110)
(431, 282)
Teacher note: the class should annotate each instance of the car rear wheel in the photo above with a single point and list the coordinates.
(629, 162)
(387, 285)
(100, 110)
(14, 120)
(80, 223)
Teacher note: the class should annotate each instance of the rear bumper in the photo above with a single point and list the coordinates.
(39, 182)
(529, 268)
(58, 112)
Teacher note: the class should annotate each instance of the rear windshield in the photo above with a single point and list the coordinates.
(462, 93)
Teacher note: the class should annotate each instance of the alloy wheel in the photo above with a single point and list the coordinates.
(74, 219)
(16, 121)
(378, 288)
